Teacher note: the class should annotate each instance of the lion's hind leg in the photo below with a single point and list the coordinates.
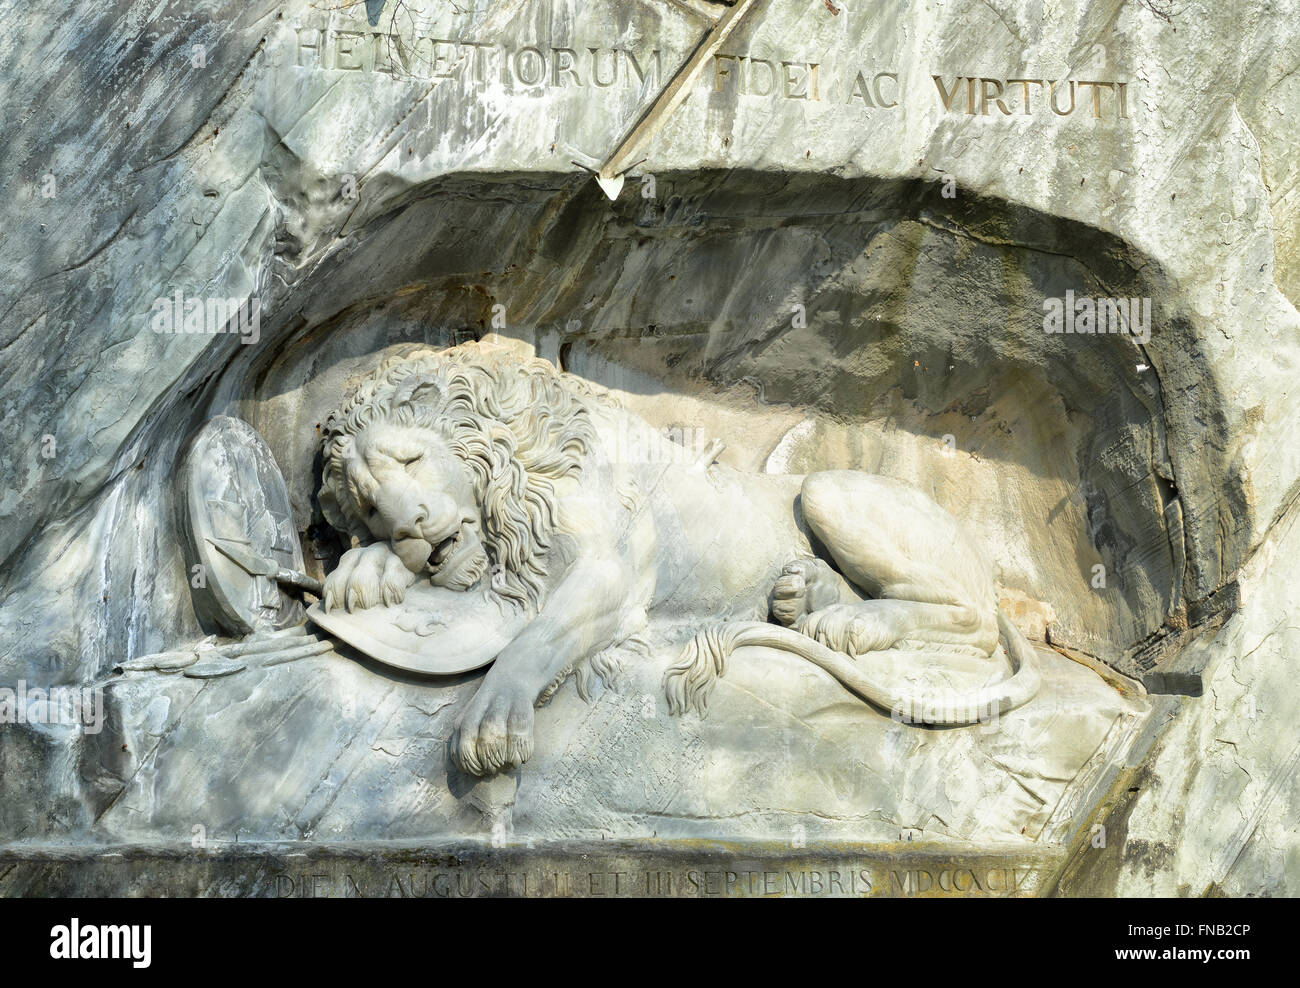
(805, 586)
(875, 625)
(898, 545)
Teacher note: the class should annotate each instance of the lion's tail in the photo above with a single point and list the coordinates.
(704, 661)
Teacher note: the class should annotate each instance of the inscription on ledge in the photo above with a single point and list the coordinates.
(614, 870)
(845, 881)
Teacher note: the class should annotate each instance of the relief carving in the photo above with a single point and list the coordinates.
(495, 482)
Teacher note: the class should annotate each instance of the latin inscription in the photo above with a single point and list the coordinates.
(842, 880)
(526, 66)
(748, 76)
(1007, 96)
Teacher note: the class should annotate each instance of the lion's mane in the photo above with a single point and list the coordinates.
(517, 423)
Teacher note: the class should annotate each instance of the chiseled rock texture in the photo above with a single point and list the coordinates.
(337, 748)
(1212, 809)
(136, 164)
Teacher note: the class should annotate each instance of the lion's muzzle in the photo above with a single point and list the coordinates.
(413, 553)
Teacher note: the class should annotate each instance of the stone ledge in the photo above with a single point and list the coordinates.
(622, 869)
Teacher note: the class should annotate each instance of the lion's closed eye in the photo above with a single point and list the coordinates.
(406, 457)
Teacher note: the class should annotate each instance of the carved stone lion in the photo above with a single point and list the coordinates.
(484, 472)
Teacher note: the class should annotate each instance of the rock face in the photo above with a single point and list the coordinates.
(841, 250)
(351, 754)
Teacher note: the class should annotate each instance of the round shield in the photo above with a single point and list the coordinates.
(238, 529)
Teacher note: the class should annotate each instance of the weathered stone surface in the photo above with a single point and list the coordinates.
(785, 754)
(1212, 806)
(136, 166)
(601, 869)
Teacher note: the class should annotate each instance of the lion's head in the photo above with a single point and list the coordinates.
(450, 456)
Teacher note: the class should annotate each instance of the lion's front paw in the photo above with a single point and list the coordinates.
(495, 731)
(367, 577)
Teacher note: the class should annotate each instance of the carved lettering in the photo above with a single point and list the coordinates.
(562, 66)
(875, 85)
(721, 70)
(1052, 99)
(595, 67)
(536, 66)
(531, 70)
(347, 54)
(991, 89)
(859, 91)
(945, 94)
(1026, 83)
(306, 46)
(982, 94)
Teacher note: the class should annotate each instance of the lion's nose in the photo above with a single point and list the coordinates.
(432, 520)
(412, 526)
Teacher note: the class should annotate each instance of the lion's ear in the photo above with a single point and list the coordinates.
(331, 509)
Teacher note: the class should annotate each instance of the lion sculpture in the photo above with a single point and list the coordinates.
(486, 472)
